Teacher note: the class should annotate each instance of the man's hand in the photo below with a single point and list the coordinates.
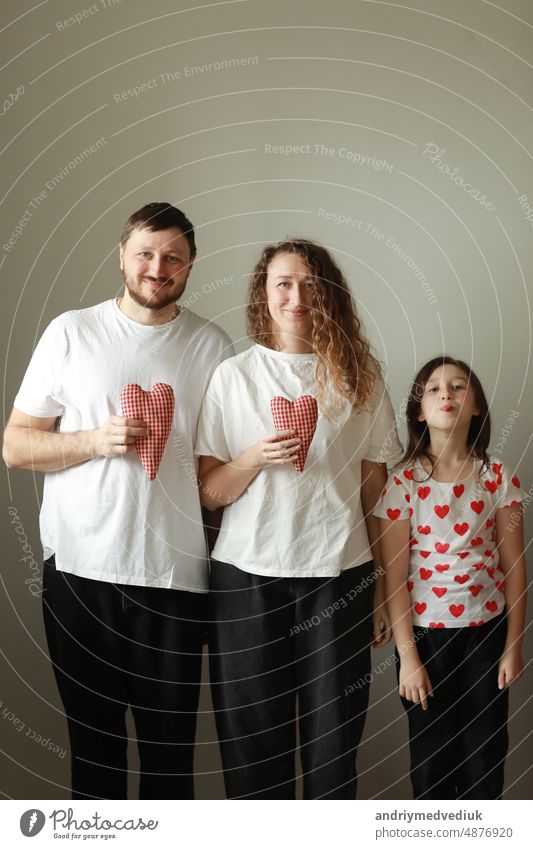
(116, 436)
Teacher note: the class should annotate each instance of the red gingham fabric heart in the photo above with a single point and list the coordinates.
(156, 408)
(300, 415)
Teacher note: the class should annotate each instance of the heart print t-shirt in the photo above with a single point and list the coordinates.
(455, 577)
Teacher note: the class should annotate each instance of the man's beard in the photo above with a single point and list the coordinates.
(156, 302)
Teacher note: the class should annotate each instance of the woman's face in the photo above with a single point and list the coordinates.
(290, 291)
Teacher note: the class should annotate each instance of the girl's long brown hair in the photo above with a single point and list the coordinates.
(478, 438)
(344, 359)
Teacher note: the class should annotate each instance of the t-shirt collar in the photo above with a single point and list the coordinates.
(284, 355)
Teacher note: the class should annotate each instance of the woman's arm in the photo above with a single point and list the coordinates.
(373, 479)
(510, 542)
(415, 684)
(222, 483)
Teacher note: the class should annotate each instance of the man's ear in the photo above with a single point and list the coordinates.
(121, 258)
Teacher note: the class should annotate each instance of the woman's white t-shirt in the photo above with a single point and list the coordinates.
(455, 578)
(289, 523)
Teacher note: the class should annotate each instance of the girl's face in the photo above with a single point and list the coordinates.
(448, 402)
(290, 296)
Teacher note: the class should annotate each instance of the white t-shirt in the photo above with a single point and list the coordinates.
(104, 519)
(289, 523)
(455, 577)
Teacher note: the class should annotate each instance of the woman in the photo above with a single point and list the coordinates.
(292, 578)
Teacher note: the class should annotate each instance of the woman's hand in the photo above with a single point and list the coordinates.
(273, 449)
(415, 685)
(511, 667)
(222, 483)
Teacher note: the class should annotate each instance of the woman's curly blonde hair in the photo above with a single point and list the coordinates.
(344, 360)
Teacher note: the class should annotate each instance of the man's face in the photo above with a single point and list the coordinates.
(155, 266)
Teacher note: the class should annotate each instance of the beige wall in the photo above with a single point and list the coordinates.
(376, 111)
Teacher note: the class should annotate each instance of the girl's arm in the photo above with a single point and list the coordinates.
(373, 479)
(222, 483)
(415, 684)
(510, 542)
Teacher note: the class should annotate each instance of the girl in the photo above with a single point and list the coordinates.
(452, 545)
(295, 433)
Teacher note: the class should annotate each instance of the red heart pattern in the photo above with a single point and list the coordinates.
(300, 415)
(156, 408)
(446, 522)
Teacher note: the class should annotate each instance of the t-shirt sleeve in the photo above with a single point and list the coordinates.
(384, 446)
(224, 351)
(38, 393)
(392, 503)
(211, 436)
(510, 490)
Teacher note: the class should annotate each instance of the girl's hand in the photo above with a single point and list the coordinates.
(415, 685)
(273, 449)
(381, 625)
(511, 667)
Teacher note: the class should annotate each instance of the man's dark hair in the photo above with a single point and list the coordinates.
(160, 216)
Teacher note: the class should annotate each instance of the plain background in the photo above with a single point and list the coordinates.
(390, 105)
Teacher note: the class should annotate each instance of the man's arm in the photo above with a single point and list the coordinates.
(31, 442)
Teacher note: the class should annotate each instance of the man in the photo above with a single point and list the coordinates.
(108, 409)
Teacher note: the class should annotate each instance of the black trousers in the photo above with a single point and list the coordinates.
(458, 746)
(276, 641)
(114, 646)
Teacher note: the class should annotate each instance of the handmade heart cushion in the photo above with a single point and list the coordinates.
(300, 415)
(156, 408)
